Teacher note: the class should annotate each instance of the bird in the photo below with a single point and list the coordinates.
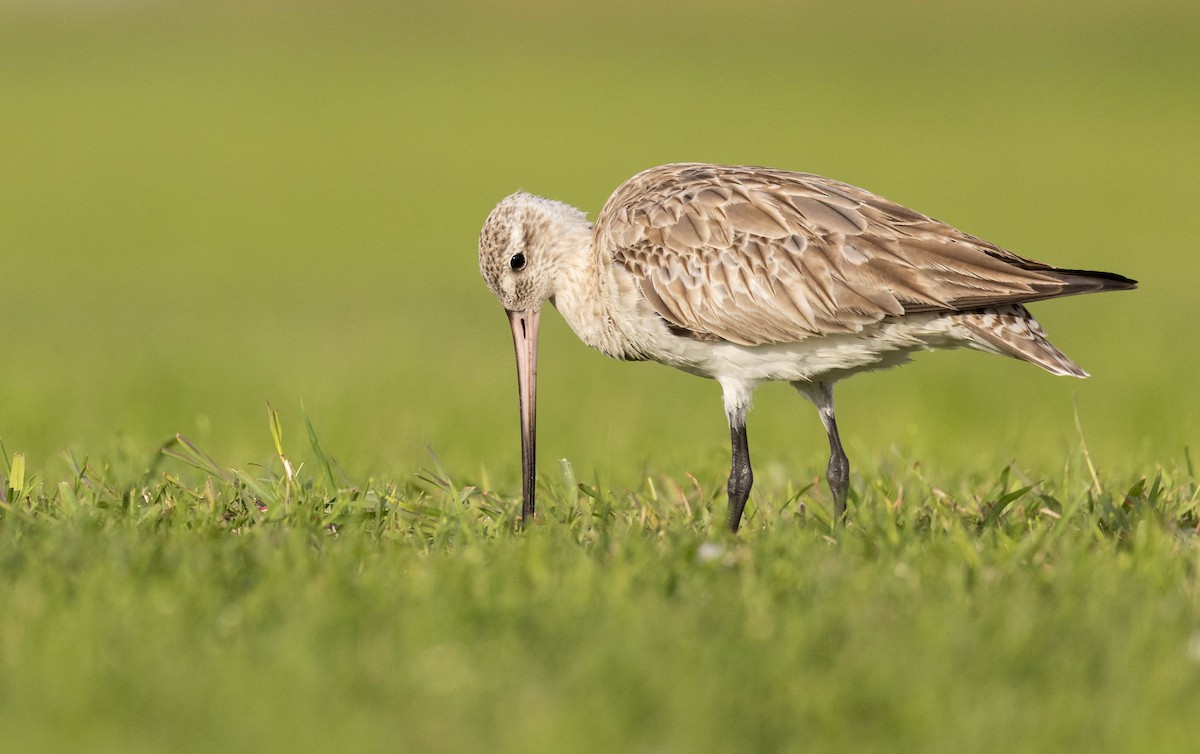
(746, 275)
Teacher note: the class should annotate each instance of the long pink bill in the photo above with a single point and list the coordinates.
(525, 332)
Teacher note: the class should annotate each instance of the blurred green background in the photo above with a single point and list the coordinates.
(205, 207)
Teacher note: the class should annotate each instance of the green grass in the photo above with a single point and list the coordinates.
(209, 208)
(264, 609)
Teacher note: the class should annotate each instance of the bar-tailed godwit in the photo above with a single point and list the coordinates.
(748, 274)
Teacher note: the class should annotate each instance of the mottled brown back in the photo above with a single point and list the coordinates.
(756, 255)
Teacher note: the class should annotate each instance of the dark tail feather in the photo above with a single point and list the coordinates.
(1090, 281)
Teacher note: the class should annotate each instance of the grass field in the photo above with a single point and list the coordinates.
(207, 210)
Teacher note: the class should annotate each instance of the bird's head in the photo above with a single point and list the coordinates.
(520, 248)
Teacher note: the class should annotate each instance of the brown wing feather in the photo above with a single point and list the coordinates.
(756, 255)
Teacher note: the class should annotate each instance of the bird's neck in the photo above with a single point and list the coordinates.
(584, 291)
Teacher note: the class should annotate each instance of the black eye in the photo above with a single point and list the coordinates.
(517, 262)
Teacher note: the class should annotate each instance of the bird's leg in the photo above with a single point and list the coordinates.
(837, 474)
(741, 476)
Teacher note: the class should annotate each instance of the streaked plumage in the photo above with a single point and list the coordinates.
(746, 274)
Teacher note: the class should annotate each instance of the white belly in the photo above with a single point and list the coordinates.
(831, 357)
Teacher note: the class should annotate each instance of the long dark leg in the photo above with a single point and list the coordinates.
(741, 476)
(837, 474)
